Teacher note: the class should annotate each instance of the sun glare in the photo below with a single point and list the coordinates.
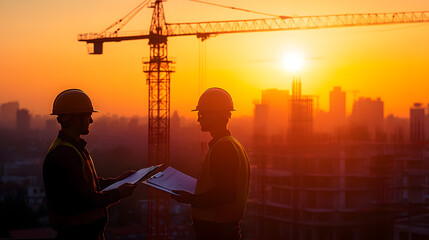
(293, 62)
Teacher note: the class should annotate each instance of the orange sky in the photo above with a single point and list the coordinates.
(40, 55)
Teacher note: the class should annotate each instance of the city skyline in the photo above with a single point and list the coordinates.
(280, 114)
(350, 98)
(382, 61)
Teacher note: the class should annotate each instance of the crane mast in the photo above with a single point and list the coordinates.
(158, 68)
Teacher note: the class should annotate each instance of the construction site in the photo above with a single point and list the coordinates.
(339, 186)
(314, 175)
(308, 186)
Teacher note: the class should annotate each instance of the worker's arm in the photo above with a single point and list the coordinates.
(224, 167)
(78, 192)
(105, 182)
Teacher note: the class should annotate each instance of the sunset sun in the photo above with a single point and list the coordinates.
(293, 62)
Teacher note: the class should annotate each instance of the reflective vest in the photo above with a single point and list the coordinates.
(90, 176)
(232, 212)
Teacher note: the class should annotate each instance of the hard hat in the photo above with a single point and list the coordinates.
(72, 101)
(215, 99)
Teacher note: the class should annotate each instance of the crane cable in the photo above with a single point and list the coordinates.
(202, 60)
(241, 9)
(123, 21)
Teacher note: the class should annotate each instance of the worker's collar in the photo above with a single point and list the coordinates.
(219, 136)
(81, 144)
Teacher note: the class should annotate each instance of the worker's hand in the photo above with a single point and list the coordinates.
(125, 175)
(126, 189)
(183, 196)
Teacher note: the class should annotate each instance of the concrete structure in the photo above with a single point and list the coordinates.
(315, 192)
(350, 190)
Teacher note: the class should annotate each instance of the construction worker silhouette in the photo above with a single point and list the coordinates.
(77, 206)
(220, 196)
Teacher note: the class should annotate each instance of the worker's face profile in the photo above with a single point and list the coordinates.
(84, 120)
(206, 119)
(211, 119)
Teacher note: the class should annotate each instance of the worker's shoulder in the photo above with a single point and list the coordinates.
(228, 141)
(224, 142)
(61, 152)
(224, 147)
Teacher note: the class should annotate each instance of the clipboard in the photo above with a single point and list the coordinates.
(171, 179)
(137, 176)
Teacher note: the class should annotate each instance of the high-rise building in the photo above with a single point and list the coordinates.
(260, 123)
(175, 121)
(276, 102)
(368, 114)
(427, 121)
(23, 120)
(417, 123)
(337, 107)
(396, 128)
(8, 114)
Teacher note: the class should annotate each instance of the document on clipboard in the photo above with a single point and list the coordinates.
(171, 179)
(137, 176)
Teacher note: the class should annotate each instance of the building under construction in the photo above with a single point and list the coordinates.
(300, 128)
(336, 191)
(308, 189)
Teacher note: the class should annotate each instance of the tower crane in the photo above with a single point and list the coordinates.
(158, 67)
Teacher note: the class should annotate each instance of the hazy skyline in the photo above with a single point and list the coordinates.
(41, 55)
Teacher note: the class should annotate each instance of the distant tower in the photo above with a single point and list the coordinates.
(260, 123)
(175, 121)
(301, 114)
(337, 106)
(8, 115)
(369, 115)
(23, 119)
(427, 121)
(417, 120)
(276, 101)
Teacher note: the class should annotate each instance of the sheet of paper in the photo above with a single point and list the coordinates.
(160, 188)
(133, 178)
(171, 179)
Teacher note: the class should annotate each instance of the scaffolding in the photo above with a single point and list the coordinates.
(301, 114)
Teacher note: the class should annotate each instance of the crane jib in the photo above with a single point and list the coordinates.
(203, 30)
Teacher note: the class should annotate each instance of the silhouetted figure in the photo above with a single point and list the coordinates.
(77, 206)
(223, 181)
